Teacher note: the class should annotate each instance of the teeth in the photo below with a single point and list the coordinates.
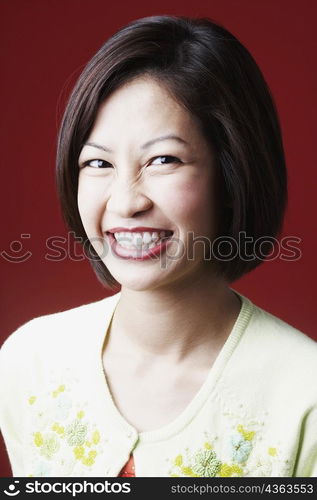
(147, 238)
(144, 240)
(137, 239)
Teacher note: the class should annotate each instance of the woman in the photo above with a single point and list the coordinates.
(170, 167)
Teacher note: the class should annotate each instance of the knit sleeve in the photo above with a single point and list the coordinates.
(13, 373)
(306, 463)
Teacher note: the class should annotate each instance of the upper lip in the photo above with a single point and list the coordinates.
(140, 229)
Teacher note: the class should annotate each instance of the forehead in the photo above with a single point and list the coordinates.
(142, 105)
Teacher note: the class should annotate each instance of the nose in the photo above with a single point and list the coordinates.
(127, 198)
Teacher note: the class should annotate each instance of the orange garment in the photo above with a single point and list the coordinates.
(128, 469)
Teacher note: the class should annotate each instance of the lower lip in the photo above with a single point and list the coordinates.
(135, 254)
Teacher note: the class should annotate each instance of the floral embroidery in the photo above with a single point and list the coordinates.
(38, 439)
(272, 452)
(64, 438)
(61, 388)
(50, 445)
(96, 437)
(207, 462)
(241, 448)
(230, 470)
(203, 463)
(75, 433)
(58, 428)
(248, 436)
(90, 459)
(79, 452)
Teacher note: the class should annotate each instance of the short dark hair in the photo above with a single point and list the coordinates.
(207, 70)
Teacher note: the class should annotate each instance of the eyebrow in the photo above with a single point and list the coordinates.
(144, 146)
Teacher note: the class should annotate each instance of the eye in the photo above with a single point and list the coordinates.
(166, 160)
(96, 164)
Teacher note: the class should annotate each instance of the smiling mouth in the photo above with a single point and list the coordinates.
(143, 240)
(139, 245)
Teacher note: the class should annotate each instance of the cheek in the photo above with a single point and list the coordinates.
(191, 202)
(89, 205)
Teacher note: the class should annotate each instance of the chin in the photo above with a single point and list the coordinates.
(138, 282)
(136, 276)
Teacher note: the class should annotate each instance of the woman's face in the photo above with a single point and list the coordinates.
(132, 178)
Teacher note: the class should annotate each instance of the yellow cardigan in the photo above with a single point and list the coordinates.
(255, 415)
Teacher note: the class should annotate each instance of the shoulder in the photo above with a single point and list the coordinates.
(279, 333)
(269, 330)
(59, 327)
(274, 364)
(286, 355)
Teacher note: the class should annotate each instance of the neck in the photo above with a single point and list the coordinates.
(175, 321)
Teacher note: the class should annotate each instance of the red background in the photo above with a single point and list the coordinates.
(44, 45)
